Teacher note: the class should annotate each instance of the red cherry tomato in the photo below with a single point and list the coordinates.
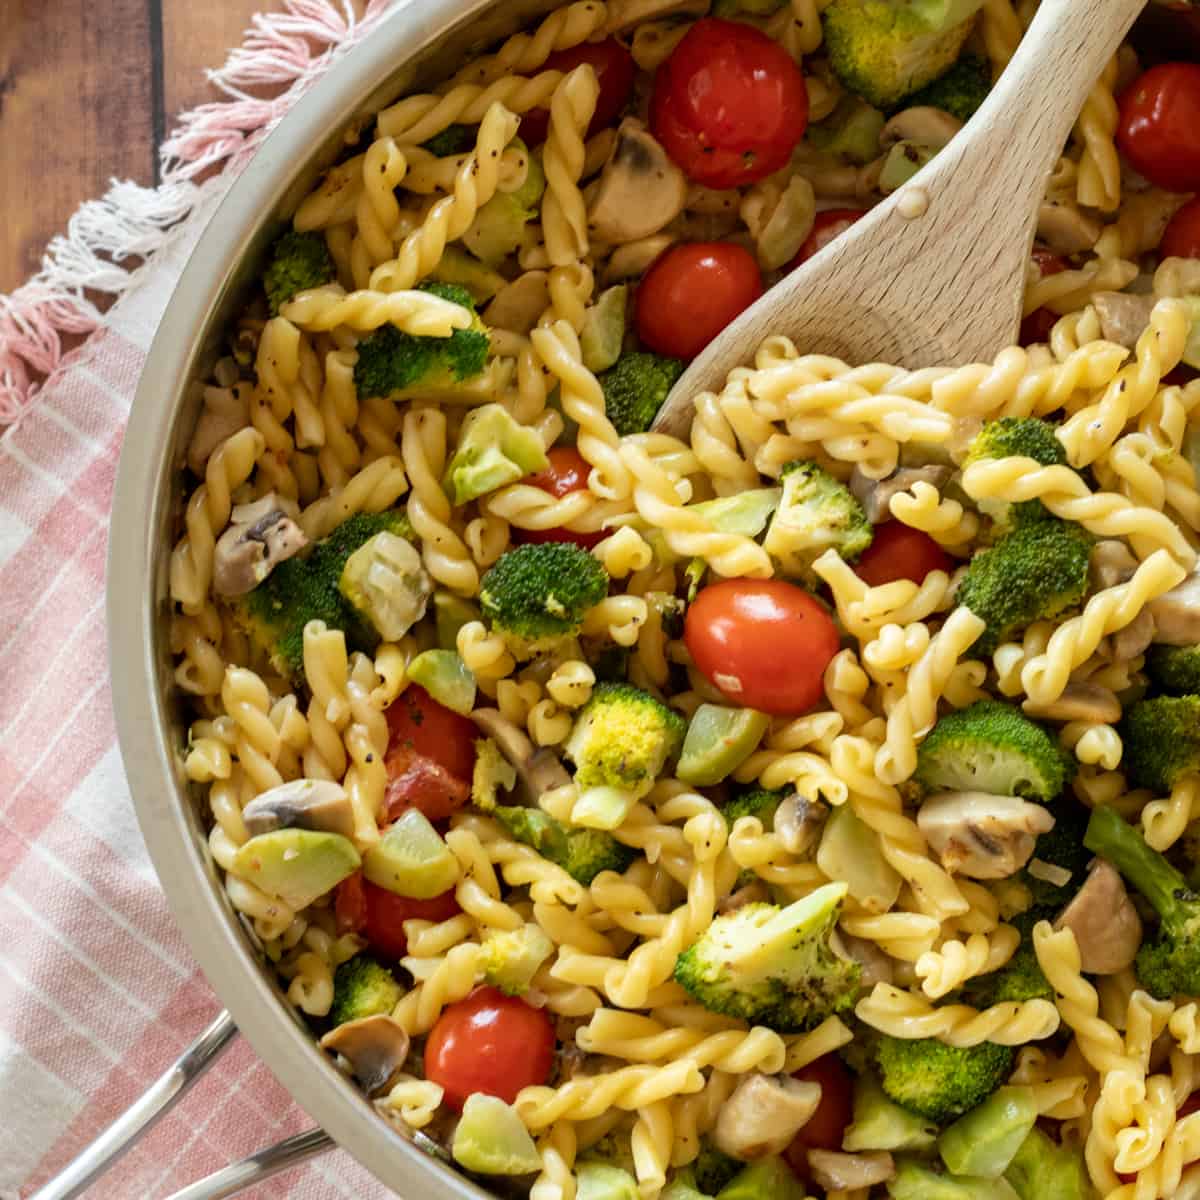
(763, 642)
(416, 781)
(831, 223)
(490, 1043)
(729, 105)
(379, 915)
(1048, 263)
(1038, 325)
(1159, 127)
(567, 473)
(900, 552)
(615, 70)
(690, 294)
(418, 721)
(1181, 238)
(825, 1128)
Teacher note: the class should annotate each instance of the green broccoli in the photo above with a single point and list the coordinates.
(1020, 979)
(1176, 669)
(386, 583)
(304, 589)
(713, 1169)
(1168, 964)
(623, 738)
(299, 261)
(454, 139)
(493, 450)
(815, 514)
(850, 132)
(1039, 571)
(363, 987)
(582, 853)
(1043, 1170)
(492, 773)
(635, 387)
(1061, 847)
(615, 1149)
(960, 91)
(757, 802)
(992, 747)
(1023, 437)
(394, 363)
(499, 226)
(885, 50)
(1162, 741)
(938, 1081)
(773, 966)
(536, 596)
(512, 957)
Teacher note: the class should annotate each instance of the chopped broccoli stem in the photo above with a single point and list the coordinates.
(512, 957)
(299, 261)
(582, 853)
(635, 387)
(938, 1081)
(1176, 669)
(960, 91)
(363, 987)
(1162, 741)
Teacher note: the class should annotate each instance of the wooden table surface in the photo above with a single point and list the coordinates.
(87, 89)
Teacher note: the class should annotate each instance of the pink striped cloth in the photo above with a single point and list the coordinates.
(98, 993)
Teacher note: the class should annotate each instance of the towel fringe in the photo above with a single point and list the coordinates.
(109, 240)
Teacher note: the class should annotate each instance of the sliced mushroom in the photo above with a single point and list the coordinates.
(624, 14)
(375, 1047)
(260, 536)
(640, 189)
(980, 835)
(798, 823)
(923, 124)
(752, 893)
(538, 771)
(1177, 613)
(1134, 639)
(1079, 702)
(1106, 926)
(318, 804)
(877, 966)
(519, 305)
(225, 411)
(1123, 317)
(1112, 562)
(875, 495)
(1065, 229)
(632, 260)
(763, 1115)
(835, 1171)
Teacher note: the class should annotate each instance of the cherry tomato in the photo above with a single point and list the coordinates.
(831, 223)
(567, 473)
(763, 642)
(825, 1128)
(490, 1043)
(1048, 263)
(1181, 238)
(615, 70)
(729, 105)
(1038, 325)
(416, 781)
(690, 294)
(1159, 127)
(379, 915)
(417, 720)
(900, 552)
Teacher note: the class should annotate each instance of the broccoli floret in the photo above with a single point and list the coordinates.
(1168, 964)
(536, 595)
(992, 747)
(960, 91)
(885, 50)
(1037, 572)
(304, 589)
(713, 1169)
(623, 738)
(363, 987)
(938, 1081)
(1021, 437)
(615, 1149)
(386, 583)
(773, 966)
(1061, 847)
(635, 387)
(815, 514)
(392, 362)
(582, 853)
(492, 773)
(1176, 669)
(299, 261)
(493, 450)
(758, 802)
(512, 957)
(454, 139)
(1162, 741)
(851, 132)
(1020, 979)
(1044, 1170)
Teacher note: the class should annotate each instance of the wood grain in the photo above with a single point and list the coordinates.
(195, 37)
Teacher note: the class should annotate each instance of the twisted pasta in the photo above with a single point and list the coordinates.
(1009, 1023)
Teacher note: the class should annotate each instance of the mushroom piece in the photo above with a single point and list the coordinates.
(752, 893)
(875, 495)
(1134, 639)
(798, 823)
(375, 1047)
(318, 804)
(538, 771)
(877, 966)
(981, 835)
(1123, 316)
(518, 306)
(1105, 923)
(1177, 613)
(1065, 229)
(835, 1171)
(260, 536)
(225, 411)
(634, 259)
(640, 189)
(1079, 702)
(1112, 562)
(763, 1115)
(624, 14)
(923, 124)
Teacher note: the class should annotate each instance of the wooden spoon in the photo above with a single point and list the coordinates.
(935, 274)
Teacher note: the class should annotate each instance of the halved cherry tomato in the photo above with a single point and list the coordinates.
(490, 1043)
(1048, 263)
(690, 294)
(1181, 238)
(900, 552)
(417, 720)
(615, 70)
(763, 642)
(1038, 325)
(379, 915)
(416, 781)
(1159, 127)
(568, 472)
(729, 105)
(825, 1128)
(831, 223)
